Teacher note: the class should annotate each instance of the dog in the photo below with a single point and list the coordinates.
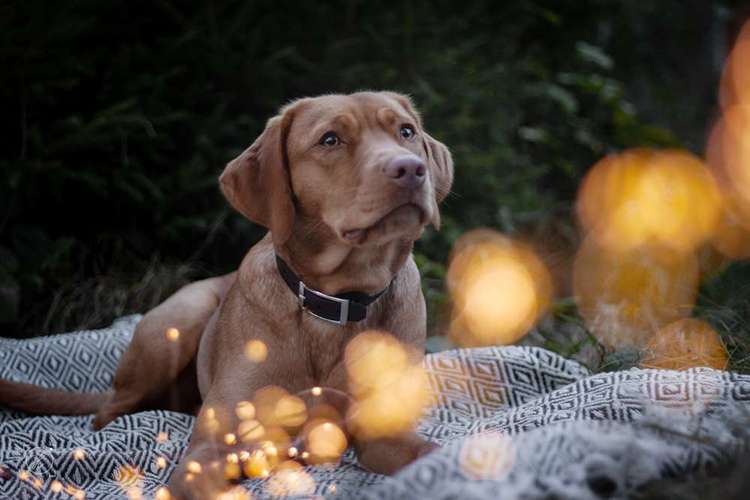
(345, 184)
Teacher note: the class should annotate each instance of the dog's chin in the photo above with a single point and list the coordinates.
(405, 222)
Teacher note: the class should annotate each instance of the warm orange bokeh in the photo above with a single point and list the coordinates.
(500, 288)
(390, 389)
(649, 197)
(245, 410)
(728, 153)
(684, 344)
(290, 479)
(732, 235)
(130, 479)
(487, 456)
(235, 493)
(274, 406)
(626, 296)
(374, 359)
(172, 334)
(256, 351)
(735, 79)
(325, 441)
(256, 465)
(162, 494)
(250, 431)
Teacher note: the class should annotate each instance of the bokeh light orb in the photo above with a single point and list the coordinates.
(487, 456)
(728, 153)
(499, 287)
(624, 297)
(275, 407)
(388, 383)
(649, 197)
(325, 441)
(686, 343)
(234, 493)
(290, 479)
(374, 359)
(732, 235)
(735, 79)
(256, 351)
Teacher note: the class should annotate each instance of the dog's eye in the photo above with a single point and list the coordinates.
(407, 131)
(329, 139)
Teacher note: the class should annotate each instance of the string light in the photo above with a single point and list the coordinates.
(194, 467)
(245, 410)
(173, 334)
(162, 493)
(256, 351)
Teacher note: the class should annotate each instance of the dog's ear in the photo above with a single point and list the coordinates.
(441, 159)
(441, 167)
(436, 152)
(257, 182)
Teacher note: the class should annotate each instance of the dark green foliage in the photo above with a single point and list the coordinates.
(119, 116)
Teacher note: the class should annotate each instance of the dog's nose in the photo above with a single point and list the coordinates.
(407, 171)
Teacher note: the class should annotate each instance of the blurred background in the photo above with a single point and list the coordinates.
(119, 116)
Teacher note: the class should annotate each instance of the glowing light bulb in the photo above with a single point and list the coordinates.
(173, 334)
(500, 288)
(162, 493)
(245, 410)
(647, 197)
(256, 351)
(194, 467)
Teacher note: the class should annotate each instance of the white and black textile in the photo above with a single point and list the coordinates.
(513, 422)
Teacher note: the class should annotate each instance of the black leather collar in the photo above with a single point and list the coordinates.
(340, 309)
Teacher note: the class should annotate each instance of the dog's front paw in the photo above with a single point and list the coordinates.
(388, 455)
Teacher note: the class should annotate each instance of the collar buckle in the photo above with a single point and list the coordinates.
(343, 304)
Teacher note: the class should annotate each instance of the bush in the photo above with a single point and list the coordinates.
(122, 114)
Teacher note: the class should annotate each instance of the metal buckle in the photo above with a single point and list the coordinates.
(343, 305)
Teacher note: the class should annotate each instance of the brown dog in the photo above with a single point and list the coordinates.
(345, 184)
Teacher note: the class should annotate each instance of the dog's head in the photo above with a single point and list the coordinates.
(360, 164)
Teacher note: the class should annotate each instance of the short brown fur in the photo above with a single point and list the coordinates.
(311, 198)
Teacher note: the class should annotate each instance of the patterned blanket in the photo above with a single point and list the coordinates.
(513, 422)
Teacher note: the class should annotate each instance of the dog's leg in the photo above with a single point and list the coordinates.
(197, 476)
(237, 380)
(388, 455)
(201, 472)
(384, 455)
(164, 344)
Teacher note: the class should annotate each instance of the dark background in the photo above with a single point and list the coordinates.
(118, 116)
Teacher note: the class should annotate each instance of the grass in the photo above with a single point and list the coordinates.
(96, 302)
(722, 302)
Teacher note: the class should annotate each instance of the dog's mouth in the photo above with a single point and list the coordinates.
(405, 218)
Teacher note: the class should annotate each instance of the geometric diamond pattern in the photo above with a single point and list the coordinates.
(547, 420)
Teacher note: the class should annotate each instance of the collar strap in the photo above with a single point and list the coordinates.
(340, 309)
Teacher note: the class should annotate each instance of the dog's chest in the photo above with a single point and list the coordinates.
(325, 345)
